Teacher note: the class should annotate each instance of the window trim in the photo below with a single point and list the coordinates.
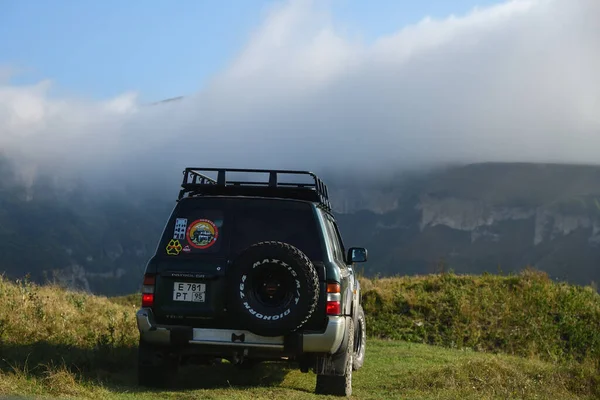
(340, 240)
(333, 237)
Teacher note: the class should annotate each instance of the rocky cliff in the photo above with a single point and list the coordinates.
(479, 218)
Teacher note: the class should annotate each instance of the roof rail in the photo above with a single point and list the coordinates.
(196, 182)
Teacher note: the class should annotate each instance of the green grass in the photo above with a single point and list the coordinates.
(527, 314)
(393, 370)
(62, 344)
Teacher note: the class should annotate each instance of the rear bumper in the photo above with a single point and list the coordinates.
(328, 341)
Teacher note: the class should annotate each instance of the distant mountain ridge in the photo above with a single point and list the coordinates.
(490, 217)
(474, 218)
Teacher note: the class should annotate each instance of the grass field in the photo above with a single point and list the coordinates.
(527, 315)
(393, 370)
(61, 344)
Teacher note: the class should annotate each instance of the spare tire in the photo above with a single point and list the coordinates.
(274, 288)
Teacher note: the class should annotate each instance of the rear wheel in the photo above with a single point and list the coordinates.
(274, 288)
(157, 367)
(339, 383)
(360, 339)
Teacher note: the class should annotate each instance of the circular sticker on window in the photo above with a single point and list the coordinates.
(202, 233)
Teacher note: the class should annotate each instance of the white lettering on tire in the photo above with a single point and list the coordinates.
(266, 317)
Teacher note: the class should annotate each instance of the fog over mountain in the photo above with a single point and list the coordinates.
(512, 82)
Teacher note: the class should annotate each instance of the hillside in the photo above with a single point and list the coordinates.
(527, 315)
(66, 344)
(76, 234)
(486, 218)
(471, 219)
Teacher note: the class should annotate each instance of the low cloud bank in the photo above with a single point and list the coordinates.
(512, 82)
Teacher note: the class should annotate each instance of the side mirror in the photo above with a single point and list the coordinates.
(357, 254)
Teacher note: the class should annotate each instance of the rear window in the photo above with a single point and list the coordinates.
(224, 227)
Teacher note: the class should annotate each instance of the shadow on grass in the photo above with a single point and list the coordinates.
(226, 375)
(115, 368)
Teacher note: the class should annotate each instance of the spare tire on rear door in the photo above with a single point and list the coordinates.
(274, 288)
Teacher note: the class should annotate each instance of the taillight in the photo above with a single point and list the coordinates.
(148, 291)
(333, 308)
(334, 297)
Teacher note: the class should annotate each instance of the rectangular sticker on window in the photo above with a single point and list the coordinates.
(180, 228)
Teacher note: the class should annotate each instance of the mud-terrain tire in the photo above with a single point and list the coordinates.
(274, 288)
(360, 339)
(339, 385)
(157, 367)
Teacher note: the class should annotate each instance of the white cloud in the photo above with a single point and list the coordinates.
(512, 82)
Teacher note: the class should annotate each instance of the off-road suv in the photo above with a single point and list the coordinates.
(251, 271)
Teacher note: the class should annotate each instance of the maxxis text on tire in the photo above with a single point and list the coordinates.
(274, 288)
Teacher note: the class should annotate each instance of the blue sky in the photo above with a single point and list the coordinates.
(162, 49)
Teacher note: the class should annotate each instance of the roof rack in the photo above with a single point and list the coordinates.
(197, 183)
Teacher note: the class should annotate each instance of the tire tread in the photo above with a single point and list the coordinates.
(303, 266)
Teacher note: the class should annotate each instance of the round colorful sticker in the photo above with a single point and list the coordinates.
(202, 233)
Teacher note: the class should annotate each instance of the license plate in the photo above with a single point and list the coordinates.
(185, 291)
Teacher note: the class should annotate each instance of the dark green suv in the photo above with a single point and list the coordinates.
(250, 271)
